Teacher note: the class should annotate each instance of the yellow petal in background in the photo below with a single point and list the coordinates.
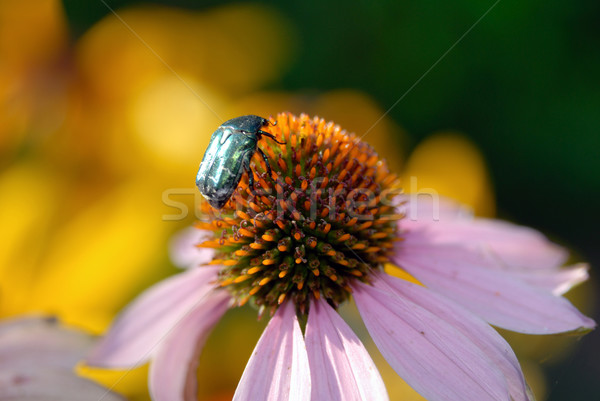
(232, 49)
(450, 165)
(32, 32)
(131, 383)
(33, 40)
(156, 83)
(29, 202)
(101, 257)
(172, 123)
(397, 272)
(248, 46)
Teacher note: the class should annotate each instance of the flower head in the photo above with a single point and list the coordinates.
(321, 221)
(314, 233)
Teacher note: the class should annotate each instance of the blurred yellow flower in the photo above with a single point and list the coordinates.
(157, 81)
(450, 165)
(131, 383)
(80, 264)
(31, 71)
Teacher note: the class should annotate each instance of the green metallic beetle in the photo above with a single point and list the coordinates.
(228, 155)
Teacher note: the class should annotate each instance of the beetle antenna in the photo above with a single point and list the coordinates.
(263, 133)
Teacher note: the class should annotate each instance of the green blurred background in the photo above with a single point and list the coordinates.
(520, 84)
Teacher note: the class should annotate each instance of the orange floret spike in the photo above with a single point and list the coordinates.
(241, 278)
(254, 269)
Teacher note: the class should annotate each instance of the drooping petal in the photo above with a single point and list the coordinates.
(556, 281)
(512, 247)
(173, 368)
(340, 366)
(499, 298)
(481, 334)
(184, 252)
(140, 328)
(434, 358)
(278, 368)
(51, 385)
(30, 342)
(37, 357)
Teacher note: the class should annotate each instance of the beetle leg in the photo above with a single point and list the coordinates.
(250, 174)
(263, 133)
(250, 179)
(266, 159)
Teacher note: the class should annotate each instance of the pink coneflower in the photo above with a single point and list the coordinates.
(318, 232)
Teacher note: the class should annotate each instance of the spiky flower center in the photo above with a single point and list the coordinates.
(324, 218)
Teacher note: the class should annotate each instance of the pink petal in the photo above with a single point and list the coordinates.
(556, 281)
(278, 368)
(51, 385)
(340, 366)
(173, 368)
(434, 358)
(140, 328)
(476, 330)
(514, 246)
(30, 342)
(509, 245)
(183, 249)
(37, 357)
(500, 298)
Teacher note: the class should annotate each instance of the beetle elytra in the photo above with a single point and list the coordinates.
(228, 155)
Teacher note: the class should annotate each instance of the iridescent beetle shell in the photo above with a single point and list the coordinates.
(228, 155)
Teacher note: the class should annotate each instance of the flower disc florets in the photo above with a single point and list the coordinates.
(324, 218)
